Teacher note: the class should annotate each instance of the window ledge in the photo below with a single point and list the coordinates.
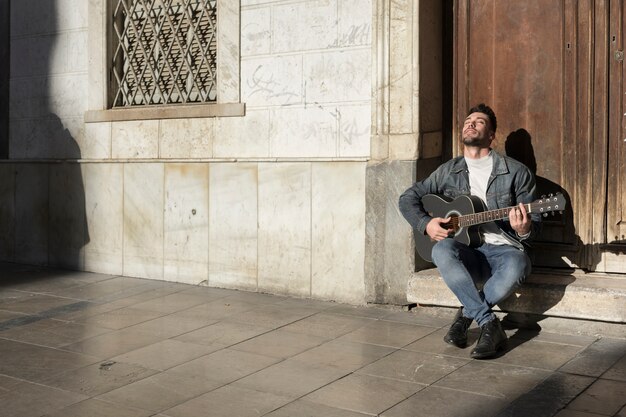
(166, 112)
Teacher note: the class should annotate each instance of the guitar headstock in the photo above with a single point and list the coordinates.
(548, 204)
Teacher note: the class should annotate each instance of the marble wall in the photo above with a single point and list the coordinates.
(293, 228)
(270, 201)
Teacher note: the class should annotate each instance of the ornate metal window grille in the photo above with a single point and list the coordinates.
(163, 52)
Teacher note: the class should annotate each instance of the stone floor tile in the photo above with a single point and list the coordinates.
(224, 333)
(424, 368)
(145, 292)
(345, 355)
(122, 318)
(221, 308)
(291, 378)
(229, 401)
(356, 357)
(160, 392)
(171, 325)
(98, 408)
(548, 397)
(36, 303)
(8, 383)
(420, 317)
(93, 309)
(597, 358)
(602, 397)
(573, 413)
(493, 379)
(564, 339)
(617, 371)
(319, 305)
(84, 276)
(11, 295)
(225, 365)
(273, 316)
(254, 298)
(8, 315)
(209, 293)
(114, 343)
(537, 354)
(52, 333)
(388, 333)
(433, 343)
(99, 378)
(303, 408)
(148, 290)
(51, 285)
(107, 288)
(367, 394)
(328, 325)
(443, 402)
(36, 400)
(37, 363)
(279, 344)
(172, 303)
(165, 354)
(194, 315)
(371, 312)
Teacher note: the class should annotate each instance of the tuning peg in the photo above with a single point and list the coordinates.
(550, 195)
(543, 196)
(560, 211)
(545, 214)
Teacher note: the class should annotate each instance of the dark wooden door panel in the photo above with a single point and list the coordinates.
(616, 219)
(533, 62)
(613, 253)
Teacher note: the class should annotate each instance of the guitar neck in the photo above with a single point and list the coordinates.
(488, 216)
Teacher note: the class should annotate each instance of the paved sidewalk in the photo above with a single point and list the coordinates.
(88, 345)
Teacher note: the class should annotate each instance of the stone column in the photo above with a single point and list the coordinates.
(406, 135)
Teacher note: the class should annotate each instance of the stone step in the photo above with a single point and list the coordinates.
(588, 296)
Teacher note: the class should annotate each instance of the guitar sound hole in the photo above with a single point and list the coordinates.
(453, 224)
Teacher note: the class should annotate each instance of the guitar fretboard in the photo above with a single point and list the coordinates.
(488, 216)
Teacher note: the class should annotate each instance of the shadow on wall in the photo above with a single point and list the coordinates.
(50, 225)
(557, 228)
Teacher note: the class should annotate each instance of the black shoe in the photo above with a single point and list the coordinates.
(492, 339)
(457, 335)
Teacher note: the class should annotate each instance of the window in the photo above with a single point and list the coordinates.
(163, 59)
(164, 52)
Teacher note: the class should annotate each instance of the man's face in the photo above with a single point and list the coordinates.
(477, 131)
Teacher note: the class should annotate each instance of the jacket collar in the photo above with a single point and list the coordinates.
(499, 164)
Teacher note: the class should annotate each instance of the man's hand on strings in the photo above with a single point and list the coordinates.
(436, 230)
(520, 220)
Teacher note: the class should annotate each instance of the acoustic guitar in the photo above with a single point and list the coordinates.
(468, 211)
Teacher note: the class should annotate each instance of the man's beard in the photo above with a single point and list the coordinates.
(472, 141)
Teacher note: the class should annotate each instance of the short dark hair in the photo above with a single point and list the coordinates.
(483, 108)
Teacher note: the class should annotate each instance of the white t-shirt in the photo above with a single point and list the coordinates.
(479, 173)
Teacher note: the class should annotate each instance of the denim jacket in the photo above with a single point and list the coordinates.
(510, 183)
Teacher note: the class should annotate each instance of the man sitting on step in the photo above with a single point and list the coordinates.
(481, 276)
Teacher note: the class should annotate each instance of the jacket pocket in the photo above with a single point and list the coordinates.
(504, 200)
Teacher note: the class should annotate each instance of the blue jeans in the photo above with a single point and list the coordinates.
(480, 277)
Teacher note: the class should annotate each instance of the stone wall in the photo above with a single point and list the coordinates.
(273, 200)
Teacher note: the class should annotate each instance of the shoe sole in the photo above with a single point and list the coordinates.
(459, 345)
(487, 355)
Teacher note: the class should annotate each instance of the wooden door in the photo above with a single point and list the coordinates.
(542, 66)
(612, 254)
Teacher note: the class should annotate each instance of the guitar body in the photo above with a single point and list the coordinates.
(440, 206)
